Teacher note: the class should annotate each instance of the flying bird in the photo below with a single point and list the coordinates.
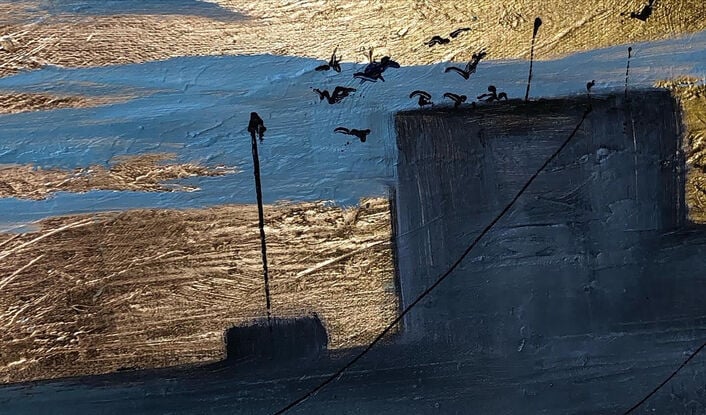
(333, 63)
(437, 40)
(645, 13)
(381, 66)
(373, 71)
(337, 96)
(361, 134)
(256, 127)
(384, 63)
(470, 66)
(457, 99)
(493, 95)
(424, 97)
(387, 62)
(457, 32)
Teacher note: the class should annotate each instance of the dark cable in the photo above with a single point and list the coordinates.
(431, 288)
(664, 382)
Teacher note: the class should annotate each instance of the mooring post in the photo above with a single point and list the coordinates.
(537, 24)
(257, 129)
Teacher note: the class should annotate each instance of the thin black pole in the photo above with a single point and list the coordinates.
(632, 119)
(261, 218)
(627, 72)
(537, 23)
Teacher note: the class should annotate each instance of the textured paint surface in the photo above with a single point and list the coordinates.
(148, 173)
(198, 109)
(97, 32)
(155, 258)
(597, 213)
(21, 102)
(151, 288)
(692, 97)
(558, 312)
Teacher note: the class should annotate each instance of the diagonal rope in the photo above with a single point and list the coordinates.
(439, 280)
(664, 382)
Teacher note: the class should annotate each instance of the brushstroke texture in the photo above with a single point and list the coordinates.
(198, 108)
(151, 288)
(691, 93)
(580, 301)
(146, 173)
(13, 103)
(88, 37)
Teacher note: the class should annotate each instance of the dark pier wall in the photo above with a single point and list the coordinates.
(582, 252)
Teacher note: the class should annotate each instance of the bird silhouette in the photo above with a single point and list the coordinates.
(333, 63)
(457, 99)
(645, 13)
(256, 127)
(437, 40)
(361, 134)
(493, 95)
(424, 97)
(337, 96)
(470, 66)
(457, 32)
(385, 62)
(373, 71)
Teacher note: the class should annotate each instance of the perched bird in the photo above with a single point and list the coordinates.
(361, 134)
(424, 97)
(470, 66)
(457, 99)
(333, 63)
(337, 96)
(493, 95)
(256, 127)
(437, 40)
(457, 32)
(645, 13)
